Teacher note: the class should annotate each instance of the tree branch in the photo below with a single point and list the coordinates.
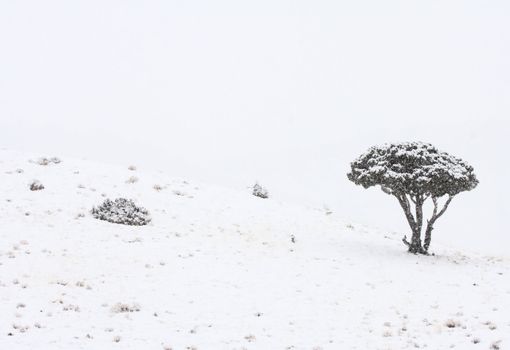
(404, 203)
(405, 241)
(432, 220)
(419, 213)
(434, 200)
(445, 207)
(415, 244)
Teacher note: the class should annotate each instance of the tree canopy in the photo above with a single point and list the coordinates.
(414, 168)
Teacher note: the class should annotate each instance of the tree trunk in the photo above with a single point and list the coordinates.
(416, 224)
(414, 246)
(428, 236)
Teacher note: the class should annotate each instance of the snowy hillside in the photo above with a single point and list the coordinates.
(221, 269)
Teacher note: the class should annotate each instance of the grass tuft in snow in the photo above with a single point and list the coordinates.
(121, 308)
(36, 185)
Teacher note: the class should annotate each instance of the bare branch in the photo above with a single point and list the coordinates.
(404, 203)
(432, 220)
(406, 242)
(434, 200)
(445, 207)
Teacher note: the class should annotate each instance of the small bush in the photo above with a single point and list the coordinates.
(496, 345)
(451, 323)
(132, 180)
(48, 161)
(120, 308)
(36, 185)
(259, 191)
(122, 211)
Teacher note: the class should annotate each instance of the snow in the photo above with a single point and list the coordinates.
(218, 268)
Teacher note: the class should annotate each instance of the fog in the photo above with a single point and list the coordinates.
(286, 93)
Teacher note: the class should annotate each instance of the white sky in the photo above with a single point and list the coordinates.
(285, 92)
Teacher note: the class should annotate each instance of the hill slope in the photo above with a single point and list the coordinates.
(221, 269)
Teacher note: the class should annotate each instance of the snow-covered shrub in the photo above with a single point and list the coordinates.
(36, 185)
(48, 161)
(132, 180)
(259, 191)
(43, 161)
(496, 345)
(179, 193)
(122, 211)
(413, 172)
(120, 308)
(132, 167)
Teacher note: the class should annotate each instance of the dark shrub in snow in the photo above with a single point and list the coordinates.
(259, 191)
(122, 211)
(413, 172)
(36, 186)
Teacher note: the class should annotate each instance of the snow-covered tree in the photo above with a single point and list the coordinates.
(413, 172)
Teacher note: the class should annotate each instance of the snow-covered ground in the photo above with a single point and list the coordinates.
(218, 268)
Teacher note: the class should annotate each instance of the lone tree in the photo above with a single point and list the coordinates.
(413, 172)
